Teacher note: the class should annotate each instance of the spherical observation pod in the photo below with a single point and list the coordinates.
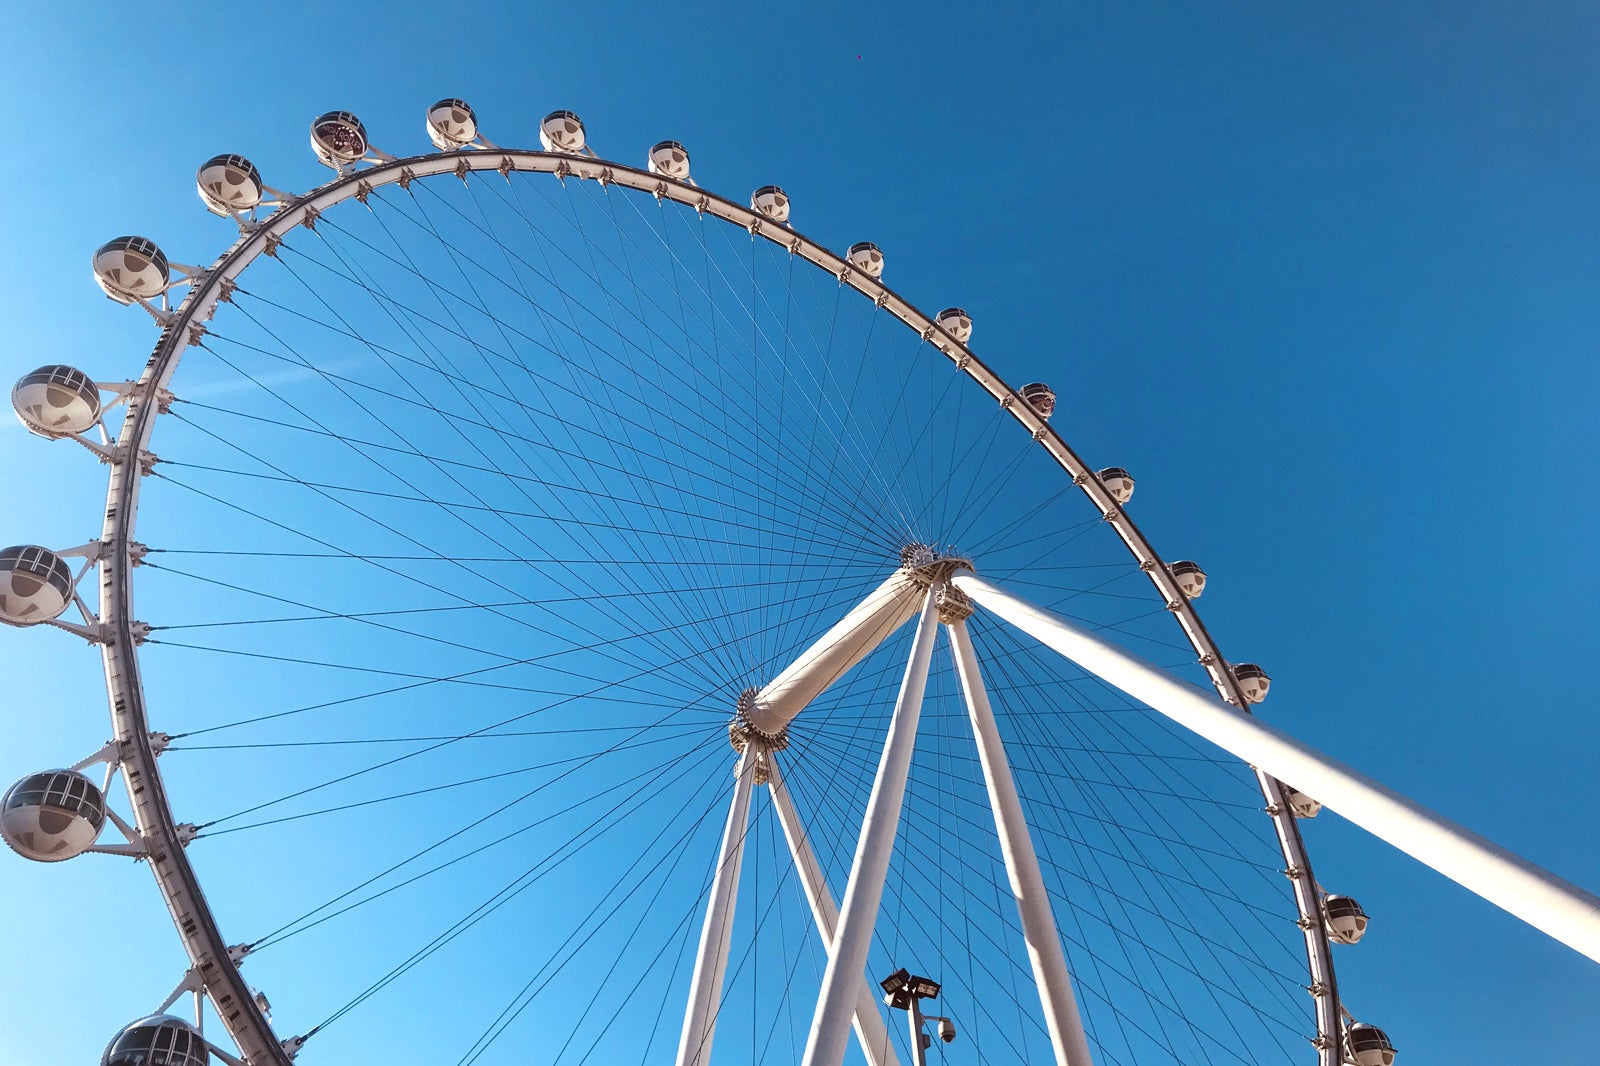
(866, 257)
(35, 585)
(228, 184)
(562, 131)
(669, 159)
(1118, 482)
(1367, 1045)
(1253, 681)
(1190, 578)
(131, 268)
(57, 401)
(956, 322)
(159, 1040)
(451, 124)
(771, 201)
(1346, 921)
(338, 138)
(1040, 397)
(52, 816)
(1300, 804)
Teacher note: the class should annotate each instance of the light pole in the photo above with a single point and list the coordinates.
(902, 991)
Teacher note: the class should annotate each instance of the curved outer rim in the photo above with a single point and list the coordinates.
(191, 913)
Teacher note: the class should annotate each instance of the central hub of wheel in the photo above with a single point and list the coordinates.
(741, 730)
(925, 565)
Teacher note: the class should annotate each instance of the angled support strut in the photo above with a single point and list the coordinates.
(711, 961)
(1540, 898)
(884, 610)
(870, 1028)
(1022, 864)
(830, 1026)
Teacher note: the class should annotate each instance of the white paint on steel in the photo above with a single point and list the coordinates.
(176, 879)
(871, 1030)
(830, 1026)
(1543, 900)
(852, 638)
(157, 826)
(1022, 864)
(716, 934)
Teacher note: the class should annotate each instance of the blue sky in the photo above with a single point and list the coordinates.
(1324, 279)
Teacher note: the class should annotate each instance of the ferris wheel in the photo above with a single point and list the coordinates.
(710, 651)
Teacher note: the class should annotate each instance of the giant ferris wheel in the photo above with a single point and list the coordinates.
(716, 658)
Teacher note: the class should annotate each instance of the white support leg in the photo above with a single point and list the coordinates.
(868, 624)
(830, 1027)
(870, 1028)
(711, 962)
(1022, 865)
(1543, 900)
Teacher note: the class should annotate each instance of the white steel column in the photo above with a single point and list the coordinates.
(851, 639)
(1022, 865)
(870, 1028)
(1543, 900)
(711, 962)
(830, 1027)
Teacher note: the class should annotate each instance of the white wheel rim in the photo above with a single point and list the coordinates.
(176, 877)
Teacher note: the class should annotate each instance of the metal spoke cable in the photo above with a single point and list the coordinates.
(431, 789)
(652, 775)
(595, 397)
(391, 570)
(608, 906)
(422, 397)
(509, 892)
(445, 462)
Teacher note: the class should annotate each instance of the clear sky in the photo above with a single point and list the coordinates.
(1325, 279)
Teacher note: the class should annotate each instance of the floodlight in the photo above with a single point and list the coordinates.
(895, 981)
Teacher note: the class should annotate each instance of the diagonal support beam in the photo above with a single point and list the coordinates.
(1540, 898)
(1022, 864)
(830, 1026)
(851, 639)
(870, 1028)
(716, 934)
